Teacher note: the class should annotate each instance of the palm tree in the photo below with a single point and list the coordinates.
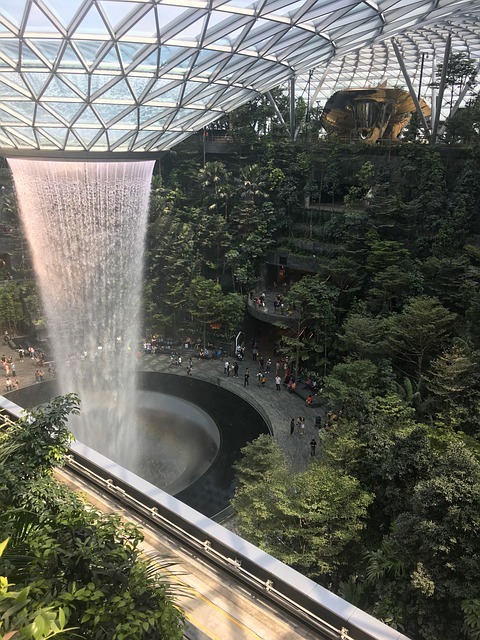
(252, 184)
(214, 179)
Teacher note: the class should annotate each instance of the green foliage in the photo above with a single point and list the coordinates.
(350, 385)
(12, 315)
(417, 332)
(309, 520)
(68, 563)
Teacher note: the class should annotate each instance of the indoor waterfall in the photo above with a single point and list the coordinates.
(85, 223)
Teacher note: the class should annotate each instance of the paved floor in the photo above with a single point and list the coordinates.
(279, 407)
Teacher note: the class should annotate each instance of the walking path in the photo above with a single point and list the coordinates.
(278, 407)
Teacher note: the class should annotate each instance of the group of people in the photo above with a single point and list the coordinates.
(230, 368)
(298, 426)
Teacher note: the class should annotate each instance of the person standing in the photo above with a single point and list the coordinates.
(268, 365)
(226, 368)
(292, 426)
(13, 368)
(246, 376)
(278, 382)
(8, 384)
(235, 369)
(313, 445)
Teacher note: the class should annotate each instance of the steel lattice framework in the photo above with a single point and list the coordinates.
(121, 75)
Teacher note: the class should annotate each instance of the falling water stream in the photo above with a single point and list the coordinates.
(85, 223)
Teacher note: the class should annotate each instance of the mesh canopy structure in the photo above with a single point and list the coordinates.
(140, 76)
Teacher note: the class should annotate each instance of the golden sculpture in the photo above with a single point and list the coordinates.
(377, 113)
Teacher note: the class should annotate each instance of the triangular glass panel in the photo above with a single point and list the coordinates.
(30, 58)
(37, 81)
(66, 110)
(193, 31)
(115, 135)
(170, 55)
(226, 38)
(10, 49)
(143, 136)
(129, 51)
(138, 85)
(123, 143)
(145, 27)
(58, 89)
(37, 21)
(171, 96)
(58, 134)
(87, 117)
(98, 82)
(20, 142)
(130, 120)
(101, 144)
(191, 87)
(153, 143)
(166, 15)
(85, 135)
(72, 142)
(48, 48)
(110, 60)
(181, 116)
(42, 117)
(92, 23)
(89, 49)
(24, 108)
(119, 91)
(149, 64)
(70, 58)
(64, 11)
(44, 142)
(153, 115)
(7, 118)
(109, 112)
(240, 4)
(6, 91)
(79, 81)
(26, 132)
(14, 11)
(116, 12)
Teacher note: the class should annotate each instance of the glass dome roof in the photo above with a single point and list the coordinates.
(120, 75)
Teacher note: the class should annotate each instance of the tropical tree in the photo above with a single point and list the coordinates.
(215, 181)
(203, 298)
(436, 540)
(310, 302)
(418, 331)
(308, 520)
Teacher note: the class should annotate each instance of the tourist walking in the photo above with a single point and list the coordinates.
(235, 369)
(292, 426)
(278, 382)
(313, 445)
(246, 376)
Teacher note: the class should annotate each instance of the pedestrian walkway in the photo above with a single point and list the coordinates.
(25, 368)
(279, 407)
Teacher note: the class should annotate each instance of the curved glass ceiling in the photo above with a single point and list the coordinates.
(119, 75)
